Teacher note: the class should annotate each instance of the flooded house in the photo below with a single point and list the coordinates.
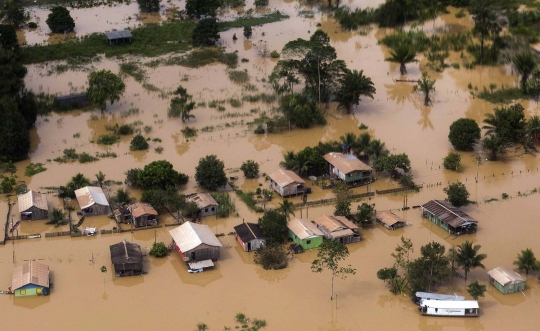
(304, 233)
(448, 217)
(348, 168)
(122, 215)
(389, 220)
(127, 259)
(286, 182)
(118, 37)
(33, 206)
(506, 280)
(72, 101)
(250, 236)
(338, 228)
(206, 204)
(195, 242)
(92, 201)
(139, 213)
(29, 279)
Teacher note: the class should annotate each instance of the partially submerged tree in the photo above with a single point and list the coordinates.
(464, 133)
(453, 162)
(364, 214)
(248, 31)
(14, 137)
(527, 261)
(100, 177)
(159, 250)
(494, 145)
(476, 290)
(273, 224)
(286, 208)
(60, 21)
(104, 86)
(57, 217)
(402, 53)
(425, 85)
(148, 6)
(160, 175)
(250, 169)
(201, 8)
(525, 63)
(353, 85)
(206, 33)
(181, 105)
(457, 194)
(138, 143)
(13, 12)
(210, 173)
(468, 258)
(488, 20)
(272, 257)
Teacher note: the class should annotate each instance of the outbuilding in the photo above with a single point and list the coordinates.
(448, 217)
(92, 201)
(389, 220)
(127, 259)
(195, 242)
(338, 228)
(33, 206)
(286, 182)
(118, 37)
(143, 214)
(506, 280)
(305, 233)
(31, 278)
(348, 168)
(250, 236)
(205, 202)
(72, 101)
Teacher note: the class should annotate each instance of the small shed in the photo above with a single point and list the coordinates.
(33, 206)
(122, 215)
(250, 236)
(72, 101)
(127, 259)
(448, 217)
(506, 280)
(118, 37)
(92, 201)
(204, 201)
(389, 220)
(348, 168)
(338, 228)
(31, 278)
(195, 242)
(143, 214)
(305, 233)
(286, 182)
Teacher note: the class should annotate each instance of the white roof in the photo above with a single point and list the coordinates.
(30, 199)
(303, 228)
(190, 235)
(90, 195)
(201, 264)
(504, 275)
(437, 296)
(451, 304)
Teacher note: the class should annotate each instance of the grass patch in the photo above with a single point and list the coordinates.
(238, 76)
(199, 58)
(132, 69)
(158, 149)
(85, 158)
(189, 132)
(34, 168)
(504, 95)
(107, 154)
(248, 200)
(235, 103)
(131, 111)
(252, 21)
(208, 129)
(108, 139)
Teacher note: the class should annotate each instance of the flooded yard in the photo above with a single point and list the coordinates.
(295, 298)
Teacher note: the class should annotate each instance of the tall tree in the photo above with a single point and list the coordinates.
(273, 224)
(160, 175)
(494, 145)
(210, 173)
(432, 269)
(532, 129)
(329, 256)
(402, 53)
(457, 194)
(464, 133)
(527, 261)
(100, 177)
(8, 38)
(376, 149)
(284, 76)
(349, 141)
(13, 12)
(353, 85)
(206, 33)
(104, 86)
(425, 85)
(525, 63)
(181, 105)
(200, 8)
(508, 123)
(148, 6)
(287, 208)
(488, 20)
(468, 258)
(364, 213)
(14, 137)
(59, 20)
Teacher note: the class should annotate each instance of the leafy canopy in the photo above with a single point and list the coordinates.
(210, 173)
(104, 86)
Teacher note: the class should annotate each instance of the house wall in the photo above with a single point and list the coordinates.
(37, 214)
(291, 189)
(255, 244)
(203, 252)
(29, 290)
(509, 288)
(306, 243)
(96, 210)
(352, 176)
(145, 220)
(209, 210)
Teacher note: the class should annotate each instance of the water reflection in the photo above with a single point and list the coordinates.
(272, 276)
(200, 279)
(400, 92)
(31, 302)
(424, 121)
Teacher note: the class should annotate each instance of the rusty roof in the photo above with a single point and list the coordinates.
(90, 195)
(30, 273)
(202, 200)
(388, 218)
(335, 223)
(505, 276)
(139, 209)
(447, 213)
(303, 228)
(31, 199)
(284, 177)
(346, 163)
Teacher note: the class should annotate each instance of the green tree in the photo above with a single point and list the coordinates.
(272, 257)
(26, 101)
(527, 261)
(392, 163)
(122, 197)
(138, 143)
(457, 194)
(349, 141)
(376, 149)
(57, 217)
(60, 21)
(14, 137)
(453, 162)
(148, 6)
(508, 123)
(284, 76)
(210, 173)
(525, 63)
(182, 105)
(198, 8)
(464, 133)
(261, 3)
(425, 85)
(159, 250)
(250, 169)
(402, 53)
(287, 208)
(364, 214)
(353, 85)
(160, 175)
(132, 176)
(273, 224)
(342, 208)
(476, 290)
(330, 254)
(100, 177)
(362, 144)
(13, 72)
(206, 33)
(104, 86)
(533, 85)
(494, 145)
(487, 20)
(248, 31)
(8, 38)
(532, 129)
(78, 181)
(468, 258)
(431, 269)
(13, 12)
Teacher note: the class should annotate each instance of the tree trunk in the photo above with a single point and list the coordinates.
(426, 99)
(319, 75)
(403, 69)
(332, 295)
(482, 49)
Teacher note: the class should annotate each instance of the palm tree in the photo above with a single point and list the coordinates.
(57, 217)
(468, 258)
(289, 161)
(532, 129)
(402, 53)
(122, 197)
(79, 181)
(287, 208)
(349, 139)
(425, 85)
(353, 85)
(362, 143)
(100, 176)
(524, 63)
(527, 261)
(376, 149)
(494, 145)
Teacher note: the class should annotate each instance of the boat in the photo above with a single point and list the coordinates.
(89, 231)
(196, 267)
(419, 296)
(464, 308)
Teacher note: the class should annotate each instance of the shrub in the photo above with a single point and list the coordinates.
(250, 169)
(125, 129)
(464, 133)
(261, 3)
(32, 25)
(271, 258)
(85, 158)
(108, 139)
(274, 55)
(159, 250)
(34, 168)
(457, 194)
(453, 162)
(138, 143)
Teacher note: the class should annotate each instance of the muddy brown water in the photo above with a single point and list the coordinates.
(168, 297)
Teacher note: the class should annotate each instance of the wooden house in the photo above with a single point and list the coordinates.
(348, 168)
(204, 201)
(31, 278)
(33, 206)
(286, 182)
(195, 242)
(118, 37)
(92, 201)
(506, 280)
(127, 259)
(122, 215)
(250, 236)
(72, 101)
(143, 214)
(338, 228)
(448, 217)
(304, 233)
(389, 220)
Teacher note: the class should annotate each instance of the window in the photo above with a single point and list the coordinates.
(38, 291)
(213, 208)
(23, 292)
(206, 210)
(308, 242)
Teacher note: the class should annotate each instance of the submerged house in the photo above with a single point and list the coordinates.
(204, 201)
(118, 37)
(348, 168)
(338, 228)
(195, 242)
(92, 201)
(127, 259)
(143, 214)
(33, 206)
(389, 220)
(305, 233)
(286, 182)
(448, 217)
(122, 215)
(250, 236)
(72, 101)
(31, 278)
(506, 280)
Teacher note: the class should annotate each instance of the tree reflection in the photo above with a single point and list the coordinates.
(399, 92)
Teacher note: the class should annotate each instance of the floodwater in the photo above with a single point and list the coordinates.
(168, 297)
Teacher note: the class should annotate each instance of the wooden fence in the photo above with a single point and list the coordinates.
(57, 234)
(24, 236)
(399, 189)
(331, 200)
(130, 230)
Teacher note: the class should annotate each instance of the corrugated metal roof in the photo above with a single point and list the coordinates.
(190, 235)
(388, 218)
(303, 228)
(139, 209)
(32, 198)
(118, 34)
(90, 195)
(201, 264)
(447, 213)
(346, 163)
(284, 177)
(335, 223)
(505, 276)
(202, 200)
(30, 273)
(249, 231)
(437, 296)
(451, 304)
(126, 252)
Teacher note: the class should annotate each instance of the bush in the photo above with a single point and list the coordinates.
(271, 258)
(138, 143)
(274, 55)
(125, 129)
(261, 3)
(226, 206)
(159, 250)
(464, 133)
(248, 31)
(250, 169)
(453, 162)
(457, 194)
(60, 21)
(34, 168)
(32, 25)
(108, 139)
